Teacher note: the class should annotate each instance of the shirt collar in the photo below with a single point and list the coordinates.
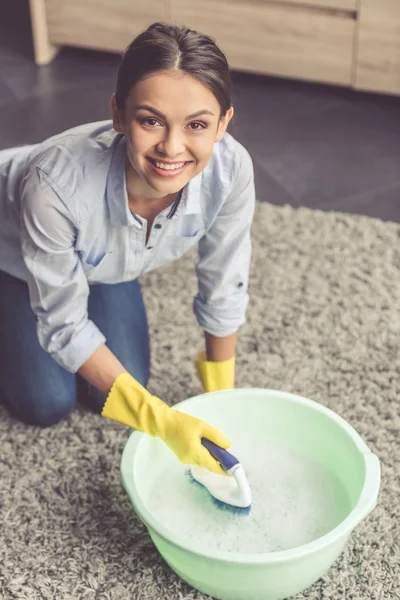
(191, 197)
(117, 197)
(189, 203)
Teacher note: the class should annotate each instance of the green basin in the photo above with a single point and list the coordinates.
(276, 417)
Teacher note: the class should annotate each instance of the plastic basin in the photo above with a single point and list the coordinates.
(265, 415)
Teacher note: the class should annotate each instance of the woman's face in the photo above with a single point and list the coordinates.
(171, 122)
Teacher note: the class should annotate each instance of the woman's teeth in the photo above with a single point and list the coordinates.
(166, 167)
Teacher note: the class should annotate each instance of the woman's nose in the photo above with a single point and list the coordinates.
(172, 145)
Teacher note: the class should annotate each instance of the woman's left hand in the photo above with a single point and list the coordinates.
(215, 376)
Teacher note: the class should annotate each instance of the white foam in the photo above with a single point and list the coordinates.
(295, 501)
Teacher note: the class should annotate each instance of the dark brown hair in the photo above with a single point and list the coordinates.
(165, 46)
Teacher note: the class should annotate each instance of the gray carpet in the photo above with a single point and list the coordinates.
(323, 322)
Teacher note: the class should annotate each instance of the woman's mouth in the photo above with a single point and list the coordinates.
(167, 169)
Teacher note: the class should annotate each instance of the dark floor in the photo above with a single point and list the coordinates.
(312, 145)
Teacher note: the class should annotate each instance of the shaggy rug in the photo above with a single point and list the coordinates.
(323, 322)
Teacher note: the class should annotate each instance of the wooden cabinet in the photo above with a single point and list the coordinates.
(347, 42)
(103, 24)
(275, 38)
(98, 24)
(348, 5)
(377, 64)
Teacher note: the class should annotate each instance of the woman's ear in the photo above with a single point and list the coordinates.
(116, 116)
(223, 124)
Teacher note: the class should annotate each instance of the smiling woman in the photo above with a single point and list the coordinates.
(84, 213)
(172, 106)
(167, 149)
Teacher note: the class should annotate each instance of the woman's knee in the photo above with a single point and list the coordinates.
(45, 408)
(52, 411)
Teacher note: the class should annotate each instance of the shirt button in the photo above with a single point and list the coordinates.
(149, 247)
(157, 226)
(240, 284)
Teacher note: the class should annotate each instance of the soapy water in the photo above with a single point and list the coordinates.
(295, 500)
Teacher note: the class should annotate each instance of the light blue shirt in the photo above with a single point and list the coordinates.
(65, 223)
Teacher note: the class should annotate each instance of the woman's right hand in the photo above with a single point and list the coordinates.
(182, 433)
(130, 403)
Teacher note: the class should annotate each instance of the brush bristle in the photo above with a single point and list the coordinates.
(237, 510)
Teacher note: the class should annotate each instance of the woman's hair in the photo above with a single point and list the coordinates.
(164, 46)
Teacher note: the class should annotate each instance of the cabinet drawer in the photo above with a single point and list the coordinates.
(378, 52)
(101, 24)
(333, 5)
(275, 39)
(347, 5)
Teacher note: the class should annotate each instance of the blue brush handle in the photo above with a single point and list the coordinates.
(225, 458)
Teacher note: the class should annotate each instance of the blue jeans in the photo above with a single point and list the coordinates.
(38, 390)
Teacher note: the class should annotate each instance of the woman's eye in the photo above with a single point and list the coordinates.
(150, 121)
(196, 125)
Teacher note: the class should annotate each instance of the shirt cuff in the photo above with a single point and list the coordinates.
(80, 348)
(220, 321)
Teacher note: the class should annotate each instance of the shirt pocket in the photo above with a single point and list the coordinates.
(176, 245)
(100, 269)
(173, 247)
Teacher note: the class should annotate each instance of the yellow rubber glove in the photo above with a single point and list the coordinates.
(215, 376)
(131, 404)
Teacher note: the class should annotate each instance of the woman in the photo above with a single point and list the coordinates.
(84, 213)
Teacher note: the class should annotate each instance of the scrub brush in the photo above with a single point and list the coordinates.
(231, 493)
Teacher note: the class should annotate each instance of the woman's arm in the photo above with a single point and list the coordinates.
(101, 369)
(219, 349)
(57, 283)
(223, 262)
